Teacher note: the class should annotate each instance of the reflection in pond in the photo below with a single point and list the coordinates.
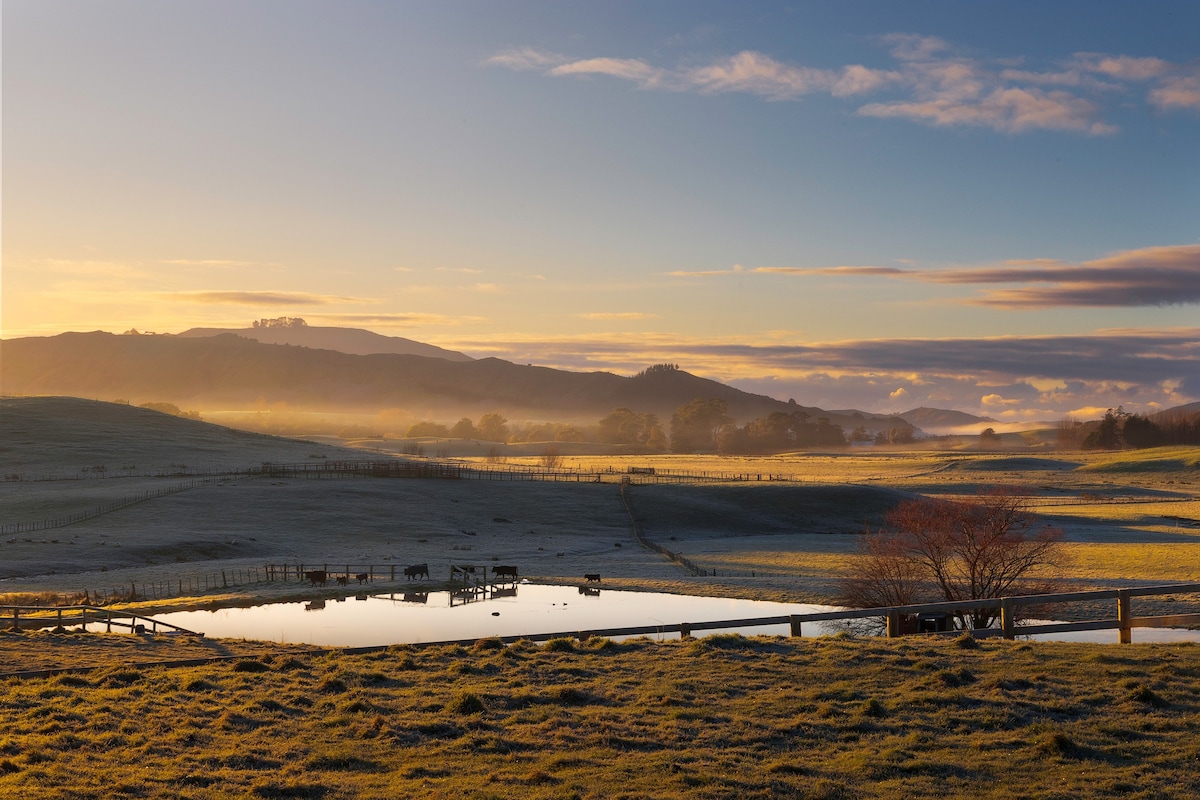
(523, 610)
(476, 612)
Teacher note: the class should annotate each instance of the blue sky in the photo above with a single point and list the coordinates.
(984, 206)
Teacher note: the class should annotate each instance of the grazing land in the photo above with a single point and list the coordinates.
(724, 717)
(1128, 518)
(720, 717)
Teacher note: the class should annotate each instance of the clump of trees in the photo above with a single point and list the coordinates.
(281, 322)
(933, 550)
(625, 426)
(170, 408)
(1119, 430)
(495, 428)
(696, 425)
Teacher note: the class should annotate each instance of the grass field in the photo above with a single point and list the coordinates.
(726, 717)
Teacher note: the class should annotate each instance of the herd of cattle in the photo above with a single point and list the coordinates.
(501, 572)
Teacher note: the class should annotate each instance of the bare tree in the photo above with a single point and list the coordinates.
(939, 550)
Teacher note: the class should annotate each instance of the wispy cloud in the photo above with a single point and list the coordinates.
(930, 83)
(1177, 92)
(260, 298)
(212, 262)
(617, 315)
(736, 269)
(1151, 276)
(842, 270)
(413, 319)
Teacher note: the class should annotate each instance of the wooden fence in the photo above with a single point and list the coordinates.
(18, 618)
(1124, 622)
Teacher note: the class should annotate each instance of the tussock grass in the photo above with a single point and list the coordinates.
(753, 717)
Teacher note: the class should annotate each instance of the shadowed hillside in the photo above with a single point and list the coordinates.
(64, 435)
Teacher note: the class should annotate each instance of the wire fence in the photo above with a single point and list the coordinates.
(114, 505)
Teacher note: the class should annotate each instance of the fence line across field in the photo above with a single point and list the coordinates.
(1124, 621)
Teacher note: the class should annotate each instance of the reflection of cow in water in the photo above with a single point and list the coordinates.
(416, 571)
(316, 576)
(315, 605)
(501, 571)
(589, 592)
(415, 597)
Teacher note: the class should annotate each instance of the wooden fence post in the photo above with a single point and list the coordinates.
(1123, 616)
(1007, 623)
(795, 623)
(893, 623)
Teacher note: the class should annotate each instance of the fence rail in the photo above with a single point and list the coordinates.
(19, 618)
(1124, 622)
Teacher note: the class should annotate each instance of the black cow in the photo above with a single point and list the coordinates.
(501, 571)
(316, 576)
(361, 577)
(416, 571)
(343, 580)
(592, 577)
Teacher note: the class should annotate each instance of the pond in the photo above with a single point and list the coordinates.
(528, 610)
(520, 610)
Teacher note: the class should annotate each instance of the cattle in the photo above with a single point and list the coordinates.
(501, 571)
(361, 577)
(316, 576)
(592, 577)
(416, 571)
(343, 580)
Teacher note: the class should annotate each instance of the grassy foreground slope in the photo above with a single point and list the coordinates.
(725, 717)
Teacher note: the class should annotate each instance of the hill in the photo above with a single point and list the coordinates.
(70, 436)
(228, 371)
(354, 341)
(939, 419)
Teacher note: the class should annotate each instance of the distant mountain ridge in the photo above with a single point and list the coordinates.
(231, 372)
(353, 341)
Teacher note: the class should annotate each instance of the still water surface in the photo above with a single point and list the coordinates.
(523, 610)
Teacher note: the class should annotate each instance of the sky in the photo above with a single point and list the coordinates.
(991, 207)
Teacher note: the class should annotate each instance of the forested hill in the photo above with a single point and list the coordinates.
(231, 372)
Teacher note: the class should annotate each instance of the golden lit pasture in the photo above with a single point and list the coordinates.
(722, 717)
(1133, 561)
